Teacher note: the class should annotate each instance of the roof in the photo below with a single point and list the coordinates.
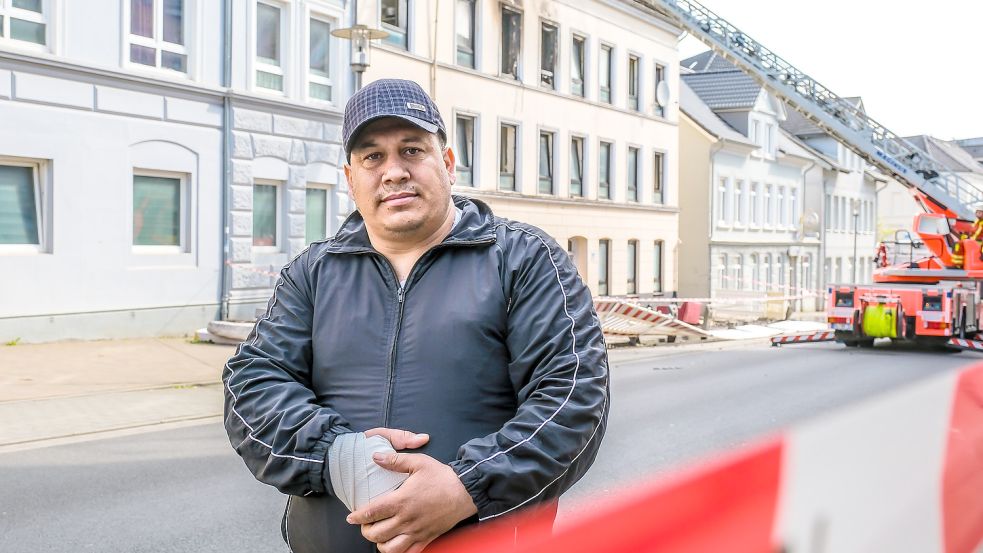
(719, 83)
(949, 154)
(974, 146)
(693, 106)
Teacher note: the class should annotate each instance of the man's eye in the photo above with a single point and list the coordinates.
(413, 151)
(373, 156)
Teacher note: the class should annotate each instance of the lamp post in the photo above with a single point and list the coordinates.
(360, 35)
(855, 204)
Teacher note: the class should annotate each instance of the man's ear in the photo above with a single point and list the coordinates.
(348, 178)
(450, 163)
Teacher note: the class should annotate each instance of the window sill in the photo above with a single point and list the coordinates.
(21, 249)
(158, 250)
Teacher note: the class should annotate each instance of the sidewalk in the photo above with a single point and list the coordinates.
(67, 389)
(50, 393)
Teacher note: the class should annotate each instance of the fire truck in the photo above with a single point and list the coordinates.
(931, 299)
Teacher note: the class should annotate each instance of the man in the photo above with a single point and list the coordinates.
(426, 320)
(977, 233)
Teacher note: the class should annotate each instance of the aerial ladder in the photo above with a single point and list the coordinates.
(936, 298)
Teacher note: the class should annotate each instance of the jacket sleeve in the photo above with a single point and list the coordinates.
(560, 372)
(271, 415)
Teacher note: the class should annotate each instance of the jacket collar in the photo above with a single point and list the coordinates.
(477, 226)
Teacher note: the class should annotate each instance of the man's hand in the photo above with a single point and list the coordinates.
(429, 503)
(400, 439)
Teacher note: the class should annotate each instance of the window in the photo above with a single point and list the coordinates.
(604, 75)
(721, 203)
(782, 207)
(780, 267)
(319, 62)
(828, 215)
(547, 57)
(269, 29)
(658, 177)
(766, 143)
(722, 272)
(633, 84)
(737, 272)
(511, 42)
(465, 33)
(657, 266)
(603, 267)
(546, 162)
(317, 213)
(394, 18)
(755, 218)
(576, 166)
(755, 272)
(506, 157)
(769, 204)
(159, 205)
(464, 148)
(766, 269)
(20, 204)
(793, 197)
(266, 214)
(577, 65)
(729, 202)
(632, 174)
(660, 77)
(23, 20)
(739, 212)
(632, 266)
(604, 171)
(157, 34)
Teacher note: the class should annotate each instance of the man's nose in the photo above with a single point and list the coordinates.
(395, 171)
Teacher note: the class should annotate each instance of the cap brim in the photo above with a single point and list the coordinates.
(429, 127)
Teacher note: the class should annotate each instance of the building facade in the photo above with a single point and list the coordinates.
(561, 114)
(749, 231)
(160, 159)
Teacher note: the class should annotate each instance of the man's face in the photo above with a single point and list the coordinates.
(979, 213)
(400, 180)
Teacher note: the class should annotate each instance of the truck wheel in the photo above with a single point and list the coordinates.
(846, 338)
(866, 342)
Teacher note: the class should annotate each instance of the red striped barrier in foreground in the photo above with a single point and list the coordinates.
(901, 473)
(825, 336)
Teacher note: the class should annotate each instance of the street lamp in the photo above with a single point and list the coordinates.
(360, 35)
(855, 204)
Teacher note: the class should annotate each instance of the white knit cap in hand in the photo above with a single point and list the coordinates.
(355, 477)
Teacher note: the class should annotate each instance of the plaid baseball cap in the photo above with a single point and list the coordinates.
(390, 98)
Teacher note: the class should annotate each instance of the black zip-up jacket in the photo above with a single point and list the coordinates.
(491, 346)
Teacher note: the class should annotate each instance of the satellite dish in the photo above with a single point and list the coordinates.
(662, 94)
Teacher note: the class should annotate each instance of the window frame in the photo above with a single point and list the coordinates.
(42, 209)
(257, 65)
(502, 51)
(551, 134)
(636, 82)
(475, 134)
(658, 268)
(516, 151)
(604, 271)
(278, 238)
(158, 44)
(8, 11)
(609, 48)
(584, 63)
(554, 76)
(474, 34)
(332, 81)
(659, 177)
(631, 259)
(184, 215)
(601, 143)
(663, 70)
(633, 192)
(583, 166)
(395, 30)
(329, 208)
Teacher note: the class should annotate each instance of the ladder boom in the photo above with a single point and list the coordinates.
(845, 122)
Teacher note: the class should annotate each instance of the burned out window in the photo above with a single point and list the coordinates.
(511, 42)
(547, 58)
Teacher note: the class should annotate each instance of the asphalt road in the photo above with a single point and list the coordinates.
(185, 490)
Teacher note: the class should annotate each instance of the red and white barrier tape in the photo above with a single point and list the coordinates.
(902, 472)
(824, 336)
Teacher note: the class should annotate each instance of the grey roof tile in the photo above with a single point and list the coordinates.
(692, 106)
(724, 90)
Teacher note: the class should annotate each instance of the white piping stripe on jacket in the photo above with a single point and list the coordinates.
(228, 382)
(562, 474)
(573, 386)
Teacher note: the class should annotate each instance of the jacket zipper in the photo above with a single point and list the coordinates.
(400, 298)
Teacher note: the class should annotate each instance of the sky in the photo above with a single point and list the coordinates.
(919, 71)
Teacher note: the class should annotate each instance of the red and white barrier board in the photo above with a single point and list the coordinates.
(825, 336)
(900, 473)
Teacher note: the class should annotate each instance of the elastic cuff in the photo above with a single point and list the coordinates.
(318, 477)
(472, 483)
